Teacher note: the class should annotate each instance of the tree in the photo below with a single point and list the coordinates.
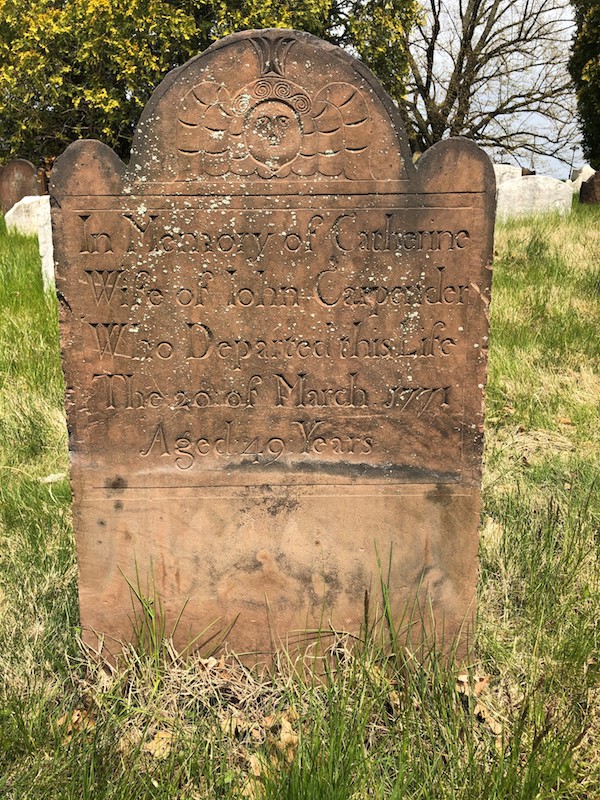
(82, 69)
(494, 71)
(375, 30)
(86, 68)
(585, 70)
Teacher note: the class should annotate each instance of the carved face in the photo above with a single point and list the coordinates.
(273, 134)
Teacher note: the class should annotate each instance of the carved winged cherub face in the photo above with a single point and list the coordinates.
(273, 133)
(273, 127)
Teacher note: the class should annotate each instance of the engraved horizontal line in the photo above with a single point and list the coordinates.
(274, 494)
(275, 486)
(249, 210)
(239, 191)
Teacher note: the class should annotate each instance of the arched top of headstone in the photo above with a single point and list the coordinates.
(272, 108)
(270, 104)
(18, 179)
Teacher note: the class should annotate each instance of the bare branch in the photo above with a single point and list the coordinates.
(494, 71)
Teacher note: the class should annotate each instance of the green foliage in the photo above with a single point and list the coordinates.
(375, 30)
(83, 69)
(585, 71)
(86, 68)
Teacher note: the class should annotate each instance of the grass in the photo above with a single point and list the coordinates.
(522, 722)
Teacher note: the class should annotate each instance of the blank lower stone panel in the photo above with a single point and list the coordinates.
(283, 563)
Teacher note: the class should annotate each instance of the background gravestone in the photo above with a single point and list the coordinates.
(506, 172)
(533, 194)
(31, 216)
(18, 179)
(589, 191)
(274, 336)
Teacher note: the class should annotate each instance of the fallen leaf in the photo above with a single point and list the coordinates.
(160, 746)
(272, 721)
(208, 663)
(234, 723)
(565, 421)
(483, 714)
(287, 737)
(257, 734)
(471, 686)
(288, 740)
(253, 789)
(80, 721)
(257, 765)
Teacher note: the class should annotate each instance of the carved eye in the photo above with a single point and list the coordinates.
(263, 124)
(283, 122)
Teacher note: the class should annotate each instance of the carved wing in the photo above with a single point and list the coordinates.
(203, 139)
(337, 135)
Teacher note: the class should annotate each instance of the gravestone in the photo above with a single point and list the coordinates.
(533, 194)
(30, 216)
(578, 176)
(506, 172)
(274, 336)
(18, 179)
(581, 173)
(589, 191)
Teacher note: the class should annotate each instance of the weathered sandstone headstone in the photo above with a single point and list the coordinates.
(274, 336)
(31, 217)
(18, 179)
(533, 194)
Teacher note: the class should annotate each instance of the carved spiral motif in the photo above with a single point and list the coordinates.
(301, 103)
(262, 89)
(242, 103)
(283, 89)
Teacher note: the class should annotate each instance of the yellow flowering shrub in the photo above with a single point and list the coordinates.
(86, 68)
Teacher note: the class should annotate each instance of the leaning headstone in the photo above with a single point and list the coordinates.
(506, 172)
(533, 194)
(274, 336)
(31, 217)
(590, 190)
(18, 179)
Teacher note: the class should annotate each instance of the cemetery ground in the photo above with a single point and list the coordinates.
(522, 720)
